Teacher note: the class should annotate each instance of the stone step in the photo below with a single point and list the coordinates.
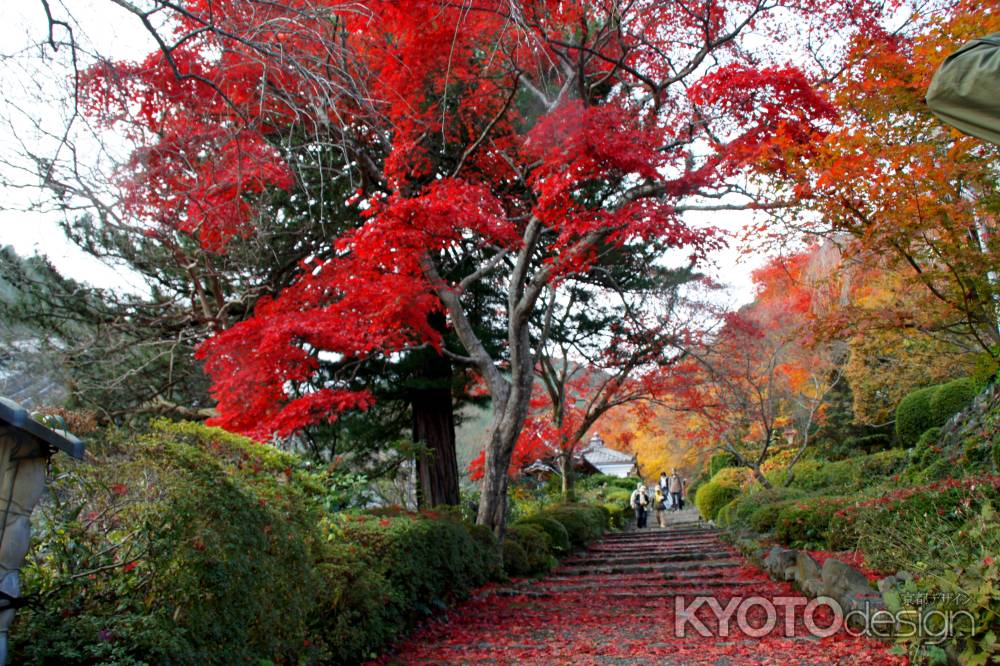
(657, 546)
(648, 559)
(660, 548)
(672, 587)
(657, 533)
(666, 567)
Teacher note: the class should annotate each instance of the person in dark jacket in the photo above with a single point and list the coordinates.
(640, 502)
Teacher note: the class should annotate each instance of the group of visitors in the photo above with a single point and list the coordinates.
(667, 496)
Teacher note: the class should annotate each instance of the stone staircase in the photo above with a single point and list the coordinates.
(616, 603)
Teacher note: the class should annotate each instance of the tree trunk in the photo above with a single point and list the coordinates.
(759, 475)
(434, 428)
(568, 476)
(510, 411)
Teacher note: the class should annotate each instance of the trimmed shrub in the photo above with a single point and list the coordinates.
(583, 523)
(192, 564)
(537, 548)
(924, 452)
(813, 475)
(913, 416)
(879, 465)
(722, 489)
(724, 517)
(951, 398)
(617, 515)
(763, 519)
(822, 475)
(605, 516)
(210, 548)
(515, 558)
(842, 533)
(558, 536)
(423, 562)
(746, 505)
(919, 523)
(607, 483)
(804, 523)
(720, 461)
(619, 497)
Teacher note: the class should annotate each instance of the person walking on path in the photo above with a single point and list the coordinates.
(676, 486)
(659, 503)
(639, 502)
(664, 486)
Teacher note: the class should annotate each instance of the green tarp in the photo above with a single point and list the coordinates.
(965, 91)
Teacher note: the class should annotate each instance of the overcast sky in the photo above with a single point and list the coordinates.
(33, 92)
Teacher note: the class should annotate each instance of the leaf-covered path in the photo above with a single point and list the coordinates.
(615, 604)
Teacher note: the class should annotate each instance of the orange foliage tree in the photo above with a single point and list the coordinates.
(904, 193)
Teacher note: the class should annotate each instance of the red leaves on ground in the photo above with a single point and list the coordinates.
(627, 619)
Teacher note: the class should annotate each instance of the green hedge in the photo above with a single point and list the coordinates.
(558, 536)
(763, 519)
(931, 407)
(746, 505)
(720, 461)
(821, 475)
(951, 398)
(720, 490)
(209, 548)
(515, 558)
(537, 549)
(724, 517)
(913, 416)
(619, 497)
(583, 523)
(617, 515)
(804, 523)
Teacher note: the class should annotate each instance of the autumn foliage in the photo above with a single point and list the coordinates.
(506, 146)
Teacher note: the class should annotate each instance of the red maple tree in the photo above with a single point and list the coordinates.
(500, 144)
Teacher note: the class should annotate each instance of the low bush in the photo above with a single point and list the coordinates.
(606, 483)
(583, 523)
(746, 505)
(168, 556)
(818, 475)
(724, 517)
(925, 452)
(558, 536)
(763, 519)
(720, 461)
(515, 558)
(616, 515)
(852, 473)
(605, 516)
(913, 416)
(911, 524)
(884, 464)
(723, 488)
(804, 523)
(951, 398)
(931, 407)
(869, 443)
(537, 549)
(194, 546)
(619, 497)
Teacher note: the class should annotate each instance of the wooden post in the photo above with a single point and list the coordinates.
(23, 463)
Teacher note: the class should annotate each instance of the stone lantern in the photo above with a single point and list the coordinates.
(25, 448)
